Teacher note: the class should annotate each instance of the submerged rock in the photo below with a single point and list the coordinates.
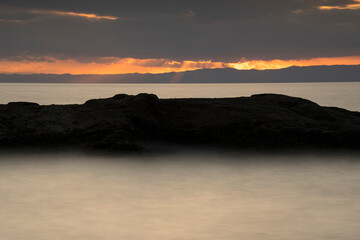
(126, 123)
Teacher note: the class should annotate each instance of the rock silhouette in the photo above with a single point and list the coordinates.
(129, 123)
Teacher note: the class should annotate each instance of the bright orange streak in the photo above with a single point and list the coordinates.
(349, 6)
(103, 66)
(278, 64)
(74, 14)
(86, 15)
(112, 65)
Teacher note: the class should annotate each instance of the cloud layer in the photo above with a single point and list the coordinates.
(220, 31)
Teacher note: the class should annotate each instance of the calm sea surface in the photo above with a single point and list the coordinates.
(187, 194)
(345, 95)
(190, 195)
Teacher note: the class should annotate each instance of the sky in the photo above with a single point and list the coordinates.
(112, 37)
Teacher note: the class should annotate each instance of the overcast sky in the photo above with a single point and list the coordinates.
(223, 30)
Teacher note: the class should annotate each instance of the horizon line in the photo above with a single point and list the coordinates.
(177, 72)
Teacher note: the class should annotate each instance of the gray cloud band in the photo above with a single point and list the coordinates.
(179, 30)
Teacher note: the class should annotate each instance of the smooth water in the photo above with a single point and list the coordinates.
(187, 195)
(344, 95)
(192, 196)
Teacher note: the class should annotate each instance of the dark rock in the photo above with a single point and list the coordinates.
(23, 104)
(124, 123)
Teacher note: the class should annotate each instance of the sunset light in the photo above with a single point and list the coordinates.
(74, 14)
(113, 65)
(348, 6)
(164, 120)
(278, 64)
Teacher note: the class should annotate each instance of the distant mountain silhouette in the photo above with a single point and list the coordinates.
(337, 73)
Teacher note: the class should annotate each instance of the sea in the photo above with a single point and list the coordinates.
(192, 194)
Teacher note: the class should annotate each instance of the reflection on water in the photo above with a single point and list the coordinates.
(179, 196)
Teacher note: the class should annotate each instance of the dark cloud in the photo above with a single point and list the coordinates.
(205, 9)
(191, 30)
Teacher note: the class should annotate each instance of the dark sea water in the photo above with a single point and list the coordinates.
(184, 194)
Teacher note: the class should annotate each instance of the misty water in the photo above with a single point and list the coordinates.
(181, 194)
(188, 195)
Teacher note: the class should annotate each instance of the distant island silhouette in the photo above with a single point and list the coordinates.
(133, 123)
(340, 73)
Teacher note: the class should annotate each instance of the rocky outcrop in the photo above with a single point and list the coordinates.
(265, 121)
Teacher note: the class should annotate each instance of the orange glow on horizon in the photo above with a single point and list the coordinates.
(107, 65)
(112, 65)
(349, 6)
(278, 64)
